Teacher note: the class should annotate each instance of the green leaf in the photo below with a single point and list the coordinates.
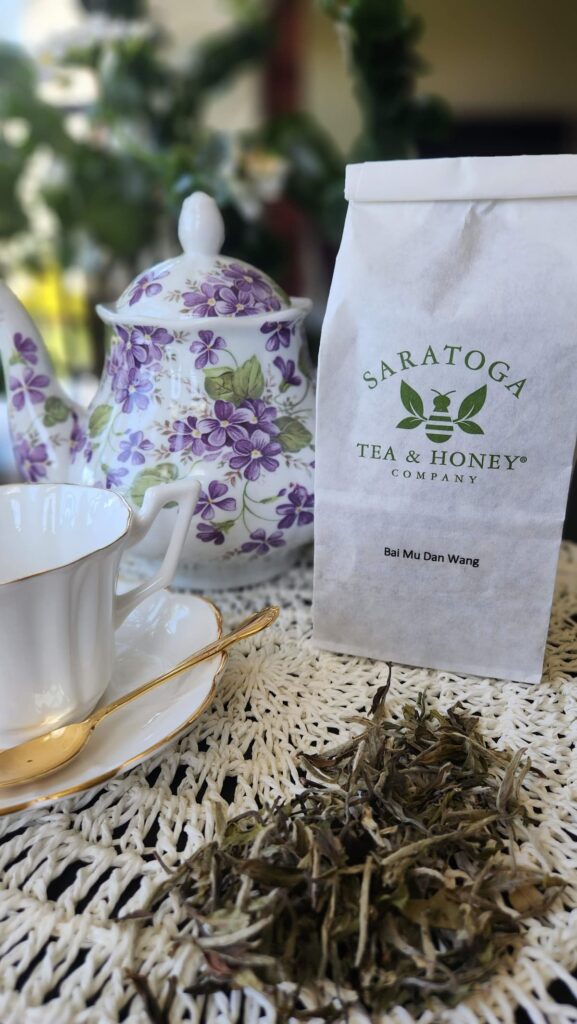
(412, 400)
(469, 427)
(218, 382)
(225, 526)
(472, 404)
(161, 474)
(248, 381)
(410, 422)
(293, 435)
(55, 411)
(99, 419)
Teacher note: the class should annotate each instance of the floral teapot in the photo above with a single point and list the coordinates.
(207, 374)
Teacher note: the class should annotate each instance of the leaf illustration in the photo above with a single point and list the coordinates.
(99, 419)
(410, 422)
(225, 526)
(161, 474)
(218, 382)
(55, 411)
(293, 435)
(472, 404)
(412, 400)
(248, 381)
(469, 427)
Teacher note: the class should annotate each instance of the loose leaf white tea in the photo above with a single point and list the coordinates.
(447, 413)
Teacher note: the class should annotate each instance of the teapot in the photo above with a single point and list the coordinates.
(206, 374)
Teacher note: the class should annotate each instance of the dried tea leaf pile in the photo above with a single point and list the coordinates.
(389, 874)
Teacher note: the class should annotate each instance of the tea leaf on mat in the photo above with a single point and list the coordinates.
(389, 874)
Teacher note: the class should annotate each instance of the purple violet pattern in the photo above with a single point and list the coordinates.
(246, 279)
(147, 285)
(225, 426)
(139, 346)
(287, 370)
(131, 354)
(132, 389)
(202, 302)
(187, 435)
(262, 416)
(209, 533)
(214, 498)
(115, 361)
(114, 477)
(132, 448)
(152, 340)
(231, 290)
(236, 303)
(260, 544)
(77, 438)
(31, 460)
(241, 436)
(254, 454)
(279, 335)
(207, 345)
(26, 349)
(29, 387)
(297, 509)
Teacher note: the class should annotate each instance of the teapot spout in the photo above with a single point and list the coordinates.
(43, 420)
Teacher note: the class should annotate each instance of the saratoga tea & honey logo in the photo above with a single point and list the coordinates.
(439, 423)
(442, 419)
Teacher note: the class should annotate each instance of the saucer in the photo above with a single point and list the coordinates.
(163, 630)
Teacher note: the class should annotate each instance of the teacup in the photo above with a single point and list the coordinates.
(60, 549)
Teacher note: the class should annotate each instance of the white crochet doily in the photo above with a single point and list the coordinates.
(68, 869)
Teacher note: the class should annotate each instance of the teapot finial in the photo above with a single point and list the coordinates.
(200, 226)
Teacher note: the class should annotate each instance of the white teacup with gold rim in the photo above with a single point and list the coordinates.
(60, 550)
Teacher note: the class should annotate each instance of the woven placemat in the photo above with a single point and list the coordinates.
(67, 870)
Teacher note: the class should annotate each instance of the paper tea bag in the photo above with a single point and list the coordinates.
(447, 413)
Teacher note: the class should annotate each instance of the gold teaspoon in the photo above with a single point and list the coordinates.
(46, 753)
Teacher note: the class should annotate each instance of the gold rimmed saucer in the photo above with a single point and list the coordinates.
(161, 632)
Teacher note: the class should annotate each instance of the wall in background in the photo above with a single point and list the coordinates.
(486, 57)
(513, 56)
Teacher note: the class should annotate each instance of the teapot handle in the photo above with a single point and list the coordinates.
(185, 494)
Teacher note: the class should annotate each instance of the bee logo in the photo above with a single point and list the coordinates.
(439, 425)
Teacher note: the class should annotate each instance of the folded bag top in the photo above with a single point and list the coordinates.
(454, 180)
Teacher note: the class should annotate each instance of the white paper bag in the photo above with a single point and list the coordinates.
(447, 413)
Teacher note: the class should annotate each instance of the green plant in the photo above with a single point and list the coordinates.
(114, 187)
(145, 143)
(381, 36)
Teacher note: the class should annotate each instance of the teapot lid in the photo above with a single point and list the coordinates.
(201, 282)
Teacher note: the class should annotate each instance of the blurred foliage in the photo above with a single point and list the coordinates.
(381, 36)
(118, 9)
(114, 188)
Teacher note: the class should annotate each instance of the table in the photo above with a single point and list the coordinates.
(70, 869)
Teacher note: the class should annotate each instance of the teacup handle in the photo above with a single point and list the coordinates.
(185, 494)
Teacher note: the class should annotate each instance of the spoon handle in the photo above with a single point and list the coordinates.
(254, 624)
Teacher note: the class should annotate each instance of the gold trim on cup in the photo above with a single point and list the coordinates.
(145, 754)
(75, 561)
